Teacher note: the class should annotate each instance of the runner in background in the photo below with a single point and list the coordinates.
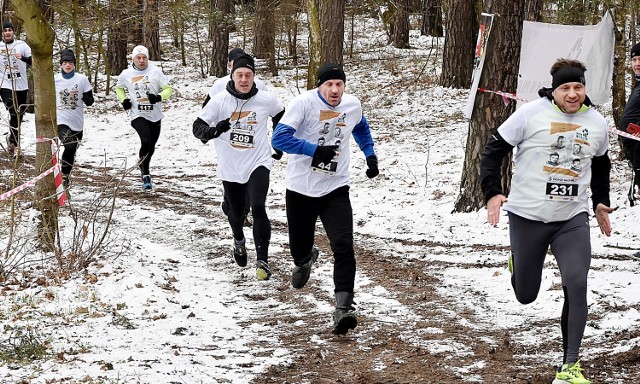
(73, 92)
(142, 88)
(15, 55)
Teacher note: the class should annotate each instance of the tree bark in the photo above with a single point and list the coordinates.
(331, 13)
(117, 37)
(500, 72)
(41, 38)
(315, 46)
(621, 53)
(432, 18)
(290, 10)
(401, 27)
(151, 29)
(264, 37)
(222, 16)
(458, 55)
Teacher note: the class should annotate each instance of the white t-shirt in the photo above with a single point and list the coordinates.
(317, 122)
(552, 159)
(137, 83)
(13, 70)
(221, 84)
(70, 107)
(246, 145)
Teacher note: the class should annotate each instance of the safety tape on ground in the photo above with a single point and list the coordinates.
(61, 196)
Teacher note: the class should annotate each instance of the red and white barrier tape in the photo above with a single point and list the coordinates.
(61, 196)
(623, 134)
(503, 94)
(512, 96)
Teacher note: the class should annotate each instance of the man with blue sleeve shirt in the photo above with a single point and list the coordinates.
(317, 181)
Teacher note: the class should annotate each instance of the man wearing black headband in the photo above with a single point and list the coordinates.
(315, 131)
(630, 117)
(548, 205)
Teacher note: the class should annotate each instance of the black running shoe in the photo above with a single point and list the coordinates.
(301, 273)
(240, 254)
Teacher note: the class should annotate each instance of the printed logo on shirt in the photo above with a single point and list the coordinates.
(69, 97)
(560, 127)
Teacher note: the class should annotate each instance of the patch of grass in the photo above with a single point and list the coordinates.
(22, 345)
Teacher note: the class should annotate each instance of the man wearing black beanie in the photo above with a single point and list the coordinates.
(548, 204)
(73, 93)
(236, 120)
(315, 131)
(220, 85)
(630, 122)
(15, 55)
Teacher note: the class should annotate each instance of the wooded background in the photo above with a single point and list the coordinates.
(305, 33)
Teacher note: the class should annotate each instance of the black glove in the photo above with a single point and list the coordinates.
(87, 98)
(222, 126)
(154, 98)
(372, 167)
(277, 155)
(325, 153)
(126, 104)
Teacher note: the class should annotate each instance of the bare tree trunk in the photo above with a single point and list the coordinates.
(315, 45)
(290, 10)
(264, 38)
(619, 59)
(151, 29)
(41, 39)
(331, 14)
(500, 72)
(457, 58)
(222, 15)
(401, 27)
(432, 18)
(117, 37)
(533, 10)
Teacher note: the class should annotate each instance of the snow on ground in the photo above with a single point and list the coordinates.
(172, 309)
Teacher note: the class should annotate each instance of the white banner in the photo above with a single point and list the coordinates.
(478, 63)
(543, 44)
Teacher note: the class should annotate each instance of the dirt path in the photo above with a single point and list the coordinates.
(422, 336)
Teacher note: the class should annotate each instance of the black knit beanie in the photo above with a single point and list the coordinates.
(234, 53)
(567, 74)
(243, 61)
(7, 24)
(330, 71)
(67, 55)
(635, 51)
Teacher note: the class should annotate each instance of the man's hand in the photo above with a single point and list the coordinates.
(493, 209)
(602, 217)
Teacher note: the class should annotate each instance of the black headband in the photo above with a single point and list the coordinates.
(567, 74)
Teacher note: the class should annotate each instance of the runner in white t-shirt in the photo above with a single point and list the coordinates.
(141, 89)
(315, 131)
(219, 86)
(15, 55)
(236, 120)
(548, 204)
(73, 92)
